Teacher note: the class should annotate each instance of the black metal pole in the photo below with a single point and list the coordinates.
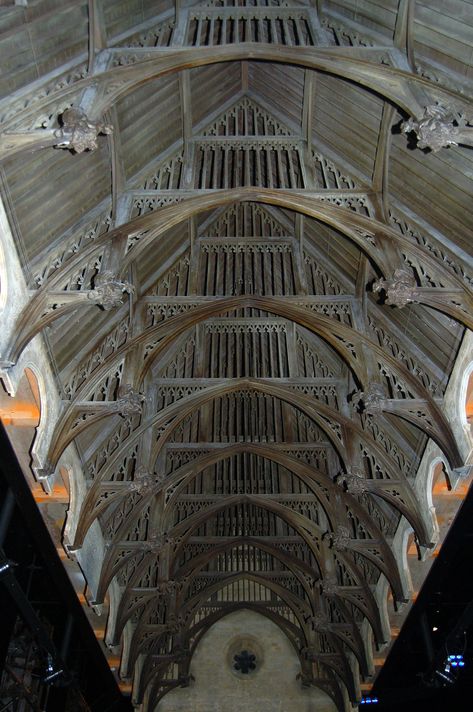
(6, 514)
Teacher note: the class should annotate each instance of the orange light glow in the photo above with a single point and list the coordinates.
(21, 414)
(59, 495)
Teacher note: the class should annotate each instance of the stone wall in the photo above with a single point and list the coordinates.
(272, 687)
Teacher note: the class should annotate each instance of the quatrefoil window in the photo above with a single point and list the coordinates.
(244, 662)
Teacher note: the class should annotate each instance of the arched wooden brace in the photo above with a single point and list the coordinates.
(342, 338)
(308, 475)
(93, 504)
(111, 567)
(133, 590)
(292, 631)
(295, 520)
(333, 637)
(297, 606)
(124, 609)
(405, 89)
(298, 521)
(282, 623)
(335, 641)
(332, 688)
(302, 609)
(305, 528)
(354, 226)
(292, 563)
(127, 609)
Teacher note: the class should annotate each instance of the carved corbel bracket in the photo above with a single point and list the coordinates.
(129, 402)
(440, 127)
(108, 291)
(355, 482)
(329, 587)
(78, 133)
(371, 401)
(340, 539)
(401, 288)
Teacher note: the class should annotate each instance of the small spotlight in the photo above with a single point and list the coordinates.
(435, 629)
(446, 676)
(5, 566)
(52, 676)
(369, 701)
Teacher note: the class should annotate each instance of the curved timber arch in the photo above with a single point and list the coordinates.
(396, 85)
(345, 340)
(365, 232)
(301, 523)
(100, 495)
(307, 474)
(295, 564)
(308, 530)
(148, 676)
(294, 603)
(292, 564)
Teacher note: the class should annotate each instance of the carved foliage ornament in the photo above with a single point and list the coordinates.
(108, 291)
(77, 133)
(355, 482)
(439, 127)
(158, 541)
(320, 621)
(340, 539)
(401, 288)
(129, 401)
(329, 586)
(372, 400)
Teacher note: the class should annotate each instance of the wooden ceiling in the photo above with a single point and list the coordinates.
(252, 292)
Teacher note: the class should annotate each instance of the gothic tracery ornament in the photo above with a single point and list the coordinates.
(401, 288)
(78, 133)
